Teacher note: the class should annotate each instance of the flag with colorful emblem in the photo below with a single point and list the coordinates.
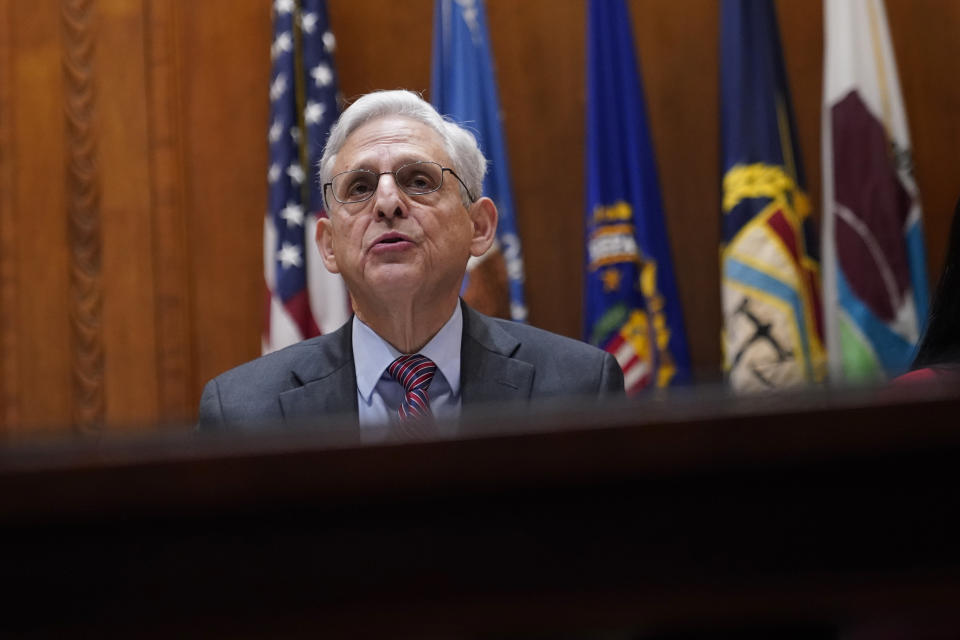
(875, 266)
(772, 333)
(632, 308)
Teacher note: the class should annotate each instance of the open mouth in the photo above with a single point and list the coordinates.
(391, 238)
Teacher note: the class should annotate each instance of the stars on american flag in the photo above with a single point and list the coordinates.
(274, 173)
(282, 44)
(276, 130)
(308, 22)
(322, 75)
(329, 42)
(303, 105)
(278, 87)
(295, 171)
(290, 255)
(284, 6)
(293, 214)
(313, 112)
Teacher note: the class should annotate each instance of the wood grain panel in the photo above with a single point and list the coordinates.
(41, 235)
(129, 335)
(83, 215)
(539, 58)
(9, 370)
(382, 45)
(226, 76)
(173, 287)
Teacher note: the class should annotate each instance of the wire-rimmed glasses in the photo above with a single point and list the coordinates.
(414, 179)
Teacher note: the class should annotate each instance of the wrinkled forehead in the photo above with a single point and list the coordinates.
(388, 141)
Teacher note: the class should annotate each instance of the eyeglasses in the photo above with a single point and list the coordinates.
(414, 179)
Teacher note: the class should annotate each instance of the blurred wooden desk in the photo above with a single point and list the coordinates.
(705, 511)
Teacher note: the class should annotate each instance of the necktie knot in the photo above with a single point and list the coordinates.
(414, 372)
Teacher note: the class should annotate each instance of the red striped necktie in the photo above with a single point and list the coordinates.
(415, 373)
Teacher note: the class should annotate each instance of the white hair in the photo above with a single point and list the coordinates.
(461, 146)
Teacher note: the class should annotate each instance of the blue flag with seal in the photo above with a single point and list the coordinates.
(464, 88)
(772, 325)
(632, 306)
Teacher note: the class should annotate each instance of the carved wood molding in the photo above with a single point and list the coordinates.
(83, 213)
(9, 363)
(169, 230)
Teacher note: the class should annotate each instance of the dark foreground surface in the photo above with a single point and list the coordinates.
(791, 517)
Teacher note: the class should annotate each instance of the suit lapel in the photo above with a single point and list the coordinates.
(488, 370)
(327, 380)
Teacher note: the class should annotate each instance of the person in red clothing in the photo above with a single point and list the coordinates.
(938, 357)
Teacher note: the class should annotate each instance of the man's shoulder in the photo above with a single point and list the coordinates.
(310, 356)
(562, 365)
(262, 367)
(250, 393)
(510, 335)
(536, 338)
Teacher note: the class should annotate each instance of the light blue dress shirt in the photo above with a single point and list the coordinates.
(379, 396)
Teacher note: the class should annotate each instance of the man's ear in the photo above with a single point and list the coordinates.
(325, 244)
(483, 213)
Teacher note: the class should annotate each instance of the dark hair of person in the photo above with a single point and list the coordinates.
(941, 340)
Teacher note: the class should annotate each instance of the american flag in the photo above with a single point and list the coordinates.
(302, 298)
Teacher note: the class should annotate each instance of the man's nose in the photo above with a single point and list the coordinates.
(389, 199)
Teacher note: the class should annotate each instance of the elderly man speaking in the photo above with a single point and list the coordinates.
(402, 187)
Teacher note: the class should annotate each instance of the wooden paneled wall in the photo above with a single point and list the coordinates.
(133, 159)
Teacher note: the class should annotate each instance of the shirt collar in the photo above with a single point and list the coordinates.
(372, 354)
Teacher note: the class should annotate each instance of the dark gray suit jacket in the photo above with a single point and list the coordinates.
(500, 361)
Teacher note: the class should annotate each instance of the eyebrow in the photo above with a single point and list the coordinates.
(403, 160)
